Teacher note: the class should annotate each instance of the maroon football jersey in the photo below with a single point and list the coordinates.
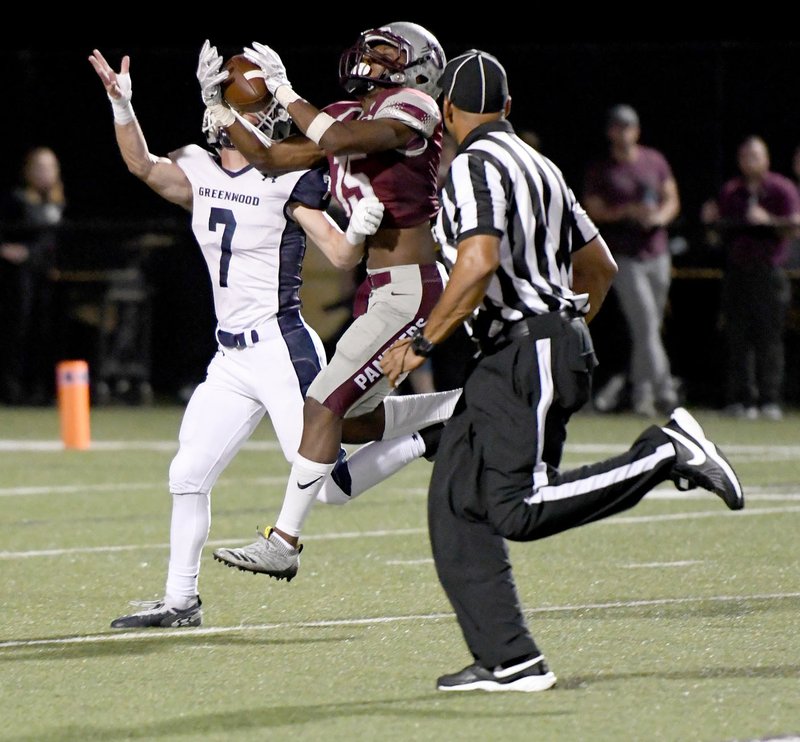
(403, 179)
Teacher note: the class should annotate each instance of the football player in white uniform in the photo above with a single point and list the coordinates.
(252, 233)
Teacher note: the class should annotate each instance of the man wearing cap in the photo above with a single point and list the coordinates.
(632, 194)
(533, 268)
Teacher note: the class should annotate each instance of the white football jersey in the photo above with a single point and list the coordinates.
(253, 252)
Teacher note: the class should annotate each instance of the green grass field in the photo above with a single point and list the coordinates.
(677, 620)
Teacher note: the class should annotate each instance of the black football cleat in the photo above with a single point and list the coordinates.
(699, 462)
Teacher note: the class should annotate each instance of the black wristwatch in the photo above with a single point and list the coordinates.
(422, 346)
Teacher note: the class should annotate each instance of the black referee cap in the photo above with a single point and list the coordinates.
(476, 82)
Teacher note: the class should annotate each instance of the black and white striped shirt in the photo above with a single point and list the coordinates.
(500, 186)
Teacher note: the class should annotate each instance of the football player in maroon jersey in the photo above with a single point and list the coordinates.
(385, 142)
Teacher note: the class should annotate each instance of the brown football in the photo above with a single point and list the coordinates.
(245, 89)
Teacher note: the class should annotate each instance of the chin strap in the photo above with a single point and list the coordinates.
(262, 137)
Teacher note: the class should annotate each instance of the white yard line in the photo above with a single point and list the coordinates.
(594, 449)
(615, 520)
(344, 622)
(56, 446)
(666, 491)
(660, 565)
(161, 484)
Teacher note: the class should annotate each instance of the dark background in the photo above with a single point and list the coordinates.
(696, 100)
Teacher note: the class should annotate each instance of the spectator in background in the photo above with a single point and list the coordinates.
(756, 214)
(29, 218)
(632, 196)
(793, 261)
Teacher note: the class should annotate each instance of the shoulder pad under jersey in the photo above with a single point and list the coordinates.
(412, 107)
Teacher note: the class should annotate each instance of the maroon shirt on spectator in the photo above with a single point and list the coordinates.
(752, 244)
(619, 183)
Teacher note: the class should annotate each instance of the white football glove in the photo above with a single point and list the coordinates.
(365, 221)
(270, 63)
(210, 74)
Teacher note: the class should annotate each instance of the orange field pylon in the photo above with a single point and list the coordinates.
(72, 379)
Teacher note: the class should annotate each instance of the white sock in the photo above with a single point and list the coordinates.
(305, 481)
(407, 413)
(281, 540)
(191, 520)
(372, 463)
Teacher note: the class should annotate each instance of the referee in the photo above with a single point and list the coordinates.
(533, 264)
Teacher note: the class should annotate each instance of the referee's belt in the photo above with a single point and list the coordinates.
(579, 347)
(541, 325)
(243, 339)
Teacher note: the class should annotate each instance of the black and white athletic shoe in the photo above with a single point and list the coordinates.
(529, 676)
(699, 462)
(156, 614)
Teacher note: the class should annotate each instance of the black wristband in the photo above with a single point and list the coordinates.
(421, 346)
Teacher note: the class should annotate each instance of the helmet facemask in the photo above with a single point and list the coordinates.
(273, 121)
(418, 63)
(355, 71)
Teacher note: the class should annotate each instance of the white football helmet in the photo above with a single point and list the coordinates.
(274, 121)
(421, 67)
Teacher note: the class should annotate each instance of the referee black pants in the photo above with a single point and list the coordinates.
(495, 478)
